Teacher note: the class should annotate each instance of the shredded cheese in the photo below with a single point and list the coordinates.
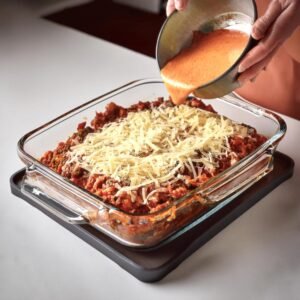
(152, 146)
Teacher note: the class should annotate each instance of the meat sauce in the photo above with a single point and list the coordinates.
(106, 187)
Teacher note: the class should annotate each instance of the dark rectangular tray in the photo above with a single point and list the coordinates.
(153, 264)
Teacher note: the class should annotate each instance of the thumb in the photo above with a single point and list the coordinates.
(170, 7)
(180, 4)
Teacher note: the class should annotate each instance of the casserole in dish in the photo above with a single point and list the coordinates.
(121, 190)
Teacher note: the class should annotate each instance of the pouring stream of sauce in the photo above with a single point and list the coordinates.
(208, 57)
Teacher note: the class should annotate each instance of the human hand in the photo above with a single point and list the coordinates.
(272, 30)
(175, 4)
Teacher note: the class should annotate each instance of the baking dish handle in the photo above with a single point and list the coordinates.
(236, 182)
(31, 188)
(41, 199)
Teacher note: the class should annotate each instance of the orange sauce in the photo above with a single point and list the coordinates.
(208, 57)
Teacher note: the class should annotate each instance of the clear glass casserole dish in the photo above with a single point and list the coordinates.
(78, 206)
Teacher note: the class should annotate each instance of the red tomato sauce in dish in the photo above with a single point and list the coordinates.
(208, 57)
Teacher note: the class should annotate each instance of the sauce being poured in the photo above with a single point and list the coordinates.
(208, 57)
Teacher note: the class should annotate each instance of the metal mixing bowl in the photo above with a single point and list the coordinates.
(207, 15)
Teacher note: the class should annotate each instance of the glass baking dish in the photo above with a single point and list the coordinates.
(77, 206)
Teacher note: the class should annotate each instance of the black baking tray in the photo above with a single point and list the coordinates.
(153, 264)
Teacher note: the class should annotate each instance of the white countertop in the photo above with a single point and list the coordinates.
(46, 69)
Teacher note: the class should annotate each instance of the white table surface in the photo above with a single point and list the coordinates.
(46, 69)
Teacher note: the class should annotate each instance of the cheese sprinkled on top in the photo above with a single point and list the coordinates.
(151, 146)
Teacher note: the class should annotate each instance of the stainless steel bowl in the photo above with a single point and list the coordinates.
(207, 15)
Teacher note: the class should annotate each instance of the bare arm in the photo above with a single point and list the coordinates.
(272, 29)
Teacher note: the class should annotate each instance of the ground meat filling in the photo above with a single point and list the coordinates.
(107, 188)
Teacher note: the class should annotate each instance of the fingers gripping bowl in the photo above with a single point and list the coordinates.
(142, 213)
